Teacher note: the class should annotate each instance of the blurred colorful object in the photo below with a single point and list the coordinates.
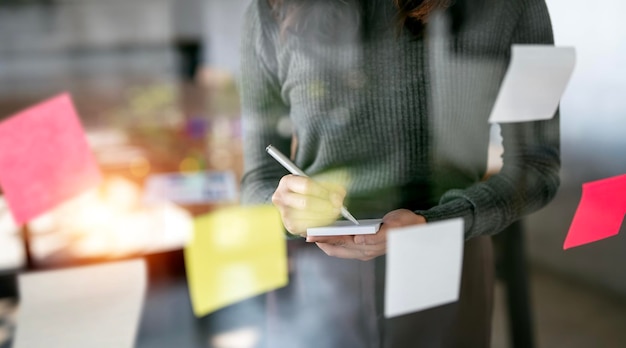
(236, 253)
(600, 212)
(196, 127)
(204, 187)
(44, 158)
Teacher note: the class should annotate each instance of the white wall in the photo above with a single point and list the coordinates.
(222, 32)
(593, 133)
(43, 47)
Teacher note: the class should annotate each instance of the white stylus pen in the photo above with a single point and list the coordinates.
(293, 169)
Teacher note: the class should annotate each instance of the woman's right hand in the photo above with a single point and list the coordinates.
(303, 203)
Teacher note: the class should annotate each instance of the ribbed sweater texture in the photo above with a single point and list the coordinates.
(401, 121)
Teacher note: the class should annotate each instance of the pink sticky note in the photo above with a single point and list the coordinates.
(600, 212)
(44, 158)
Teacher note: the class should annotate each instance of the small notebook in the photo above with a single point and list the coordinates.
(344, 227)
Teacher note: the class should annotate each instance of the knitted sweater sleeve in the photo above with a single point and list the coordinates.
(263, 108)
(529, 178)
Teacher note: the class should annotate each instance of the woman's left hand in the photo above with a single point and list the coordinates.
(370, 246)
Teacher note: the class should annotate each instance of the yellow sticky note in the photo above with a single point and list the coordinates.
(236, 253)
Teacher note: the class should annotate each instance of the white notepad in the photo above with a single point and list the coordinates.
(534, 83)
(346, 228)
(423, 266)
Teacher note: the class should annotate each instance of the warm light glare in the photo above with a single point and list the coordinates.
(139, 167)
(122, 194)
(110, 222)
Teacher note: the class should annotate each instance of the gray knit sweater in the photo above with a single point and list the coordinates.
(403, 119)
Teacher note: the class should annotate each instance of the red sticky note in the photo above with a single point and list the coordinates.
(44, 158)
(600, 212)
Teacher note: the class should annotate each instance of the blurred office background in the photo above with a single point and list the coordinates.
(153, 81)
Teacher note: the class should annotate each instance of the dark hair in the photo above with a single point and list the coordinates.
(303, 17)
(413, 14)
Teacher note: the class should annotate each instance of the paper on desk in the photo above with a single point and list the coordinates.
(44, 158)
(346, 228)
(235, 253)
(423, 266)
(534, 83)
(92, 306)
(600, 212)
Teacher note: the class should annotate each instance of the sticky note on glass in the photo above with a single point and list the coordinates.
(534, 83)
(93, 306)
(600, 212)
(346, 228)
(192, 188)
(235, 253)
(44, 158)
(423, 266)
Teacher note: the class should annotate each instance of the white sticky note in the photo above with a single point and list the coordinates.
(93, 306)
(346, 228)
(423, 266)
(534, 83)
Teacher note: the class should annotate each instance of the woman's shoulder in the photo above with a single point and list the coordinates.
(259, 22)
(260, 12)
(491, 26)
(260, 34)
(509, 10)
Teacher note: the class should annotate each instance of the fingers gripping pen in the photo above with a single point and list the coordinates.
(293, 169)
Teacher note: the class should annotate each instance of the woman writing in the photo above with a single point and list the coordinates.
(388, 102)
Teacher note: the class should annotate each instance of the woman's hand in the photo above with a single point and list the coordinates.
(369, 246)
(303, 203)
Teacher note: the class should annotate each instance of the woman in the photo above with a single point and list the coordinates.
(388, 102)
